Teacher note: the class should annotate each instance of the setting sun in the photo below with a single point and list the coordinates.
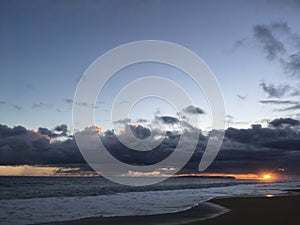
(266, 177)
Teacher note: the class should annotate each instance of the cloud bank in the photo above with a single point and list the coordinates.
(243, 151)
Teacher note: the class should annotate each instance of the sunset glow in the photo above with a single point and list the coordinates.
(267, 177)
(269, 195)
(48, 171)
(27, 170)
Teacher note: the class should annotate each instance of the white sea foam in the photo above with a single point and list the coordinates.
(39, 210)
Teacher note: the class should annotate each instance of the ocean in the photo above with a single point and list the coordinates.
(31, 200)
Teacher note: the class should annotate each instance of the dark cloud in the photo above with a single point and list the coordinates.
(6, 131)
(2, 102)
(19, 146)
(167, 119)
(278, 102)
(272, 47)
(62, 129)
(244, 150)
(193, 110)
(139, 131)
(45, 131)
(257, 149)
(258, 135)
(58, 131)
(284, 121)
(273, 91)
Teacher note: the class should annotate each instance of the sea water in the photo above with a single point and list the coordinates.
(30, 200)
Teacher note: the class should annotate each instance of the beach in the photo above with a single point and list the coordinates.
(264, 210)
(257, 210)
(177, 201)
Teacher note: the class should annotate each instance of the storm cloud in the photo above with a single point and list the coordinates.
(284, 121)
(19, 146)
(243, 151)
(167, 119)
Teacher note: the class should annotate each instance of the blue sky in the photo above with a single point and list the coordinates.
(46, 46)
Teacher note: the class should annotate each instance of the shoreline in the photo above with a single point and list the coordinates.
(277, 209)
(202, 211)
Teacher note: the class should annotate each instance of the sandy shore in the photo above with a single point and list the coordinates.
(281, 210)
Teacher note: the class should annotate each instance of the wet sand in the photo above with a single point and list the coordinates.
(276, 210)
(282, 210)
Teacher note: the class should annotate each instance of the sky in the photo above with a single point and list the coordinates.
(253, 48)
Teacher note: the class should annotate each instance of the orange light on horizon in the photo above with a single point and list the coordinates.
(267, 177)
(269, 195)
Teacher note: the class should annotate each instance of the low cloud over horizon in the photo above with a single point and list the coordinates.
(273, 148)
